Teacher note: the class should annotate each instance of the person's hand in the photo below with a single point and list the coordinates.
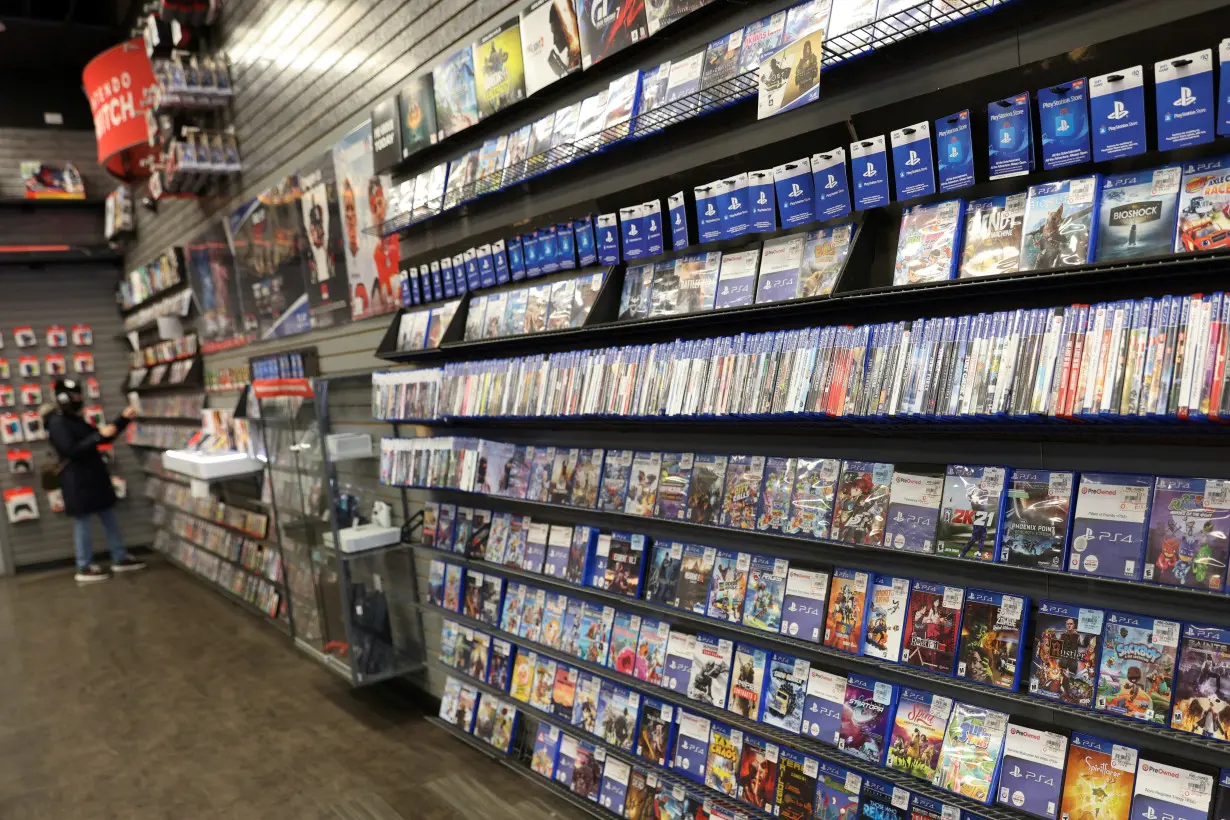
(130, 412)
(108, 430)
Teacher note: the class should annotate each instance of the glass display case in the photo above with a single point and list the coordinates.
(345, 563)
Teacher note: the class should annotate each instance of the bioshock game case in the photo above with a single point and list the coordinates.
(1137, 214)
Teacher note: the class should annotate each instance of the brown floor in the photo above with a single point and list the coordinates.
(150, 696)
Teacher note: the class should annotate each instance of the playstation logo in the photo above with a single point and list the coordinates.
(795, 190)
(678, 219)
(653, 226)
(913, 160)
(1062, 125)
(870, 171)
(1150, 814)
(1006, 139)
(1185, 97)
(954, 151)
(734, 204)
(609, 238)
(832, 183)
(762, 200)
(632, 229)
(709, 210)
(1119, 113)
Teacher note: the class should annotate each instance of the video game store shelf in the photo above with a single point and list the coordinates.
(763, 432)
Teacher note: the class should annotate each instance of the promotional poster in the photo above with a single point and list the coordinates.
(211, 268)
(499, 71)
(327, 284)
(267, 241)
(609, 26)
(550, 42)
(456, 94)
(417, 105)
(371, 264)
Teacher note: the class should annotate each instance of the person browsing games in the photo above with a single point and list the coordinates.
(84, 479)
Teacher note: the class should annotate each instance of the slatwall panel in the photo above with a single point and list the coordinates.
(305, 73)
(68, 295)
(19, 145)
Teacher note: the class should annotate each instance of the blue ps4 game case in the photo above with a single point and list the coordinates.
(1138, 214)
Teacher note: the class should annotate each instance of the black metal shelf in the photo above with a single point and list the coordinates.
(903, 25)
(581, 804)
(247, 536)
(165, 528)
(665, 774)
(812, 747)
(248, 607)
(153, 298)
(1091, 590)
(1123, 729)
(1048, 288)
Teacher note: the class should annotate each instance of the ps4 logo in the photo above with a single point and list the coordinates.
(870, 171)
(795, 190)
(832, 183)
(1186, 97)
(1119, 113)
(913, 160)
(762, 199)
(734, 204)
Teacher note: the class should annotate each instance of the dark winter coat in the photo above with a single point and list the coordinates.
(84, 480)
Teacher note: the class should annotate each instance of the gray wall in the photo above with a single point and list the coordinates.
(67, 295)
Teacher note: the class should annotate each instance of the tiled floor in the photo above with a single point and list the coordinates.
(149, 696)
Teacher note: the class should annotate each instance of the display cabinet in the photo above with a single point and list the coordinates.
(342, 567)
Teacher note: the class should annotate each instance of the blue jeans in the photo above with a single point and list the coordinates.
(84, 538)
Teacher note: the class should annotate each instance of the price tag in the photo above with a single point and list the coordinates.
(1166, 181)
(1015, 204)
(710, 555)
(1135, 497)
(941, 707)
(1217, 494)
(883, 693)
(992, 479)
(736, 737)
(801, 668)
(1166, 633)
(651, 780)
(901, 586)
(1060, 485)
(667, 713)
(676, 550)
(600, 754)
(860, 578)
(781, 566)
(901, 798)
(1011, 607)
(1089, 621)
(553, 732)
(811, 768)
(854, 783)
(1080, 191)
(743, 562)
(679, 793)
(953, 597)
(948, 812)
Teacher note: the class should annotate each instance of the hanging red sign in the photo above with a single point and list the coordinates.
(120, 85)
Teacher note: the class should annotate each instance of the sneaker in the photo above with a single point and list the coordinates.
(127, 565)
(91, 573)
